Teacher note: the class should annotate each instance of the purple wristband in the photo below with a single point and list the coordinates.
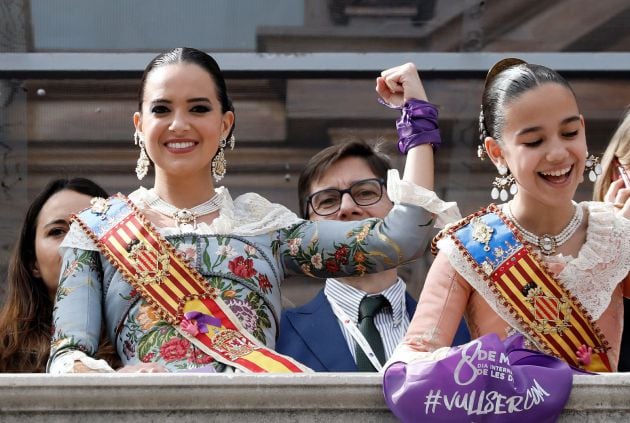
(418, 125)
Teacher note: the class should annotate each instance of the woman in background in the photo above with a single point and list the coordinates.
(33, 275)
(610, 187)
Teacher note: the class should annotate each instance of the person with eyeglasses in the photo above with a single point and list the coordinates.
(365, 192)
(353, 323)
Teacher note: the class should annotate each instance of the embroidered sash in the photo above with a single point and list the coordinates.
(176, 291)
(547, 312)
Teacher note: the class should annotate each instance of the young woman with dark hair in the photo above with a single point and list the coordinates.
(34, 268)
(184, 277)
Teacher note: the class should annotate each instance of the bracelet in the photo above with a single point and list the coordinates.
(418, 125)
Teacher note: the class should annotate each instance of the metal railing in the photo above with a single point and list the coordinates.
(325, 65)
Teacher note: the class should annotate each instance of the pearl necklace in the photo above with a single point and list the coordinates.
(548, 243)
(186, 216)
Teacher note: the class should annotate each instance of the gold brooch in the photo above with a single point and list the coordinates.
(481, 232)
(100, 205)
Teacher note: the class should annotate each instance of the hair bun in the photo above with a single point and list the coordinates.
(502, 65)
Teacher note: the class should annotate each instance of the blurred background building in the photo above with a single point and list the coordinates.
(301, 74)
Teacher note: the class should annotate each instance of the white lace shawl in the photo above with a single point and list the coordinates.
(602, 262)
(251, 215)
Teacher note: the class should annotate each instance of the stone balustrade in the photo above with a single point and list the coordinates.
(332, 397)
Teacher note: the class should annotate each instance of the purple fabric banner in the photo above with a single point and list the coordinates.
(485, 380)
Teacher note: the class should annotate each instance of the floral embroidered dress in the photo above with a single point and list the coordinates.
(245, 253)
(598, 277)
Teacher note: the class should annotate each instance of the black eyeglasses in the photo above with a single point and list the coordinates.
(363, 193)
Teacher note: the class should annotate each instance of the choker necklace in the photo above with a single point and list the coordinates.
(186, 216)
(548, 243)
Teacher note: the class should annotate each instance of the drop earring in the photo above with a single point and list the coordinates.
(142, 165)
(593, 167)
(503, 184)
(219, 163)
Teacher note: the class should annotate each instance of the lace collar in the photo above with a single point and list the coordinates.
(249, 215)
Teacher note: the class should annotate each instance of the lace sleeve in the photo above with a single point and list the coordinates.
(404, 192)
(406, 354)
(65, 363)
(255, 215)
(76, 238)
(603, 261)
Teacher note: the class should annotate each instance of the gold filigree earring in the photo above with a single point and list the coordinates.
(219, 163)
(142, 165)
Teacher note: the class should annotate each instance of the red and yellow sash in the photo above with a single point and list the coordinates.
(546, 311)
(159, 273)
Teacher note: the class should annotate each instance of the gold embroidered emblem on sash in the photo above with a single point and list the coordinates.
(232, 344)
(150, 264)
(551, 314)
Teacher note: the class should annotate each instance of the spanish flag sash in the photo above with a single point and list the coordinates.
(176, 291)
(547, 312)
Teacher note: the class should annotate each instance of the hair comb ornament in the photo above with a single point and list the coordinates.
(496, 69)
(481, 149)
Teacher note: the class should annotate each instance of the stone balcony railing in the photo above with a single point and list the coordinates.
(332, 397)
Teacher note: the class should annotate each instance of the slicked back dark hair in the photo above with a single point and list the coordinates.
(507, 80)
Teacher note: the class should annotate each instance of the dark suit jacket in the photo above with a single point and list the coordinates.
(311, 335)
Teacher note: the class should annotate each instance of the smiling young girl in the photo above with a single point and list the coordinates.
(182, 275)
(541, 264)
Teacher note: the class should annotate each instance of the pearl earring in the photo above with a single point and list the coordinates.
(593, 167)
(503, 184)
